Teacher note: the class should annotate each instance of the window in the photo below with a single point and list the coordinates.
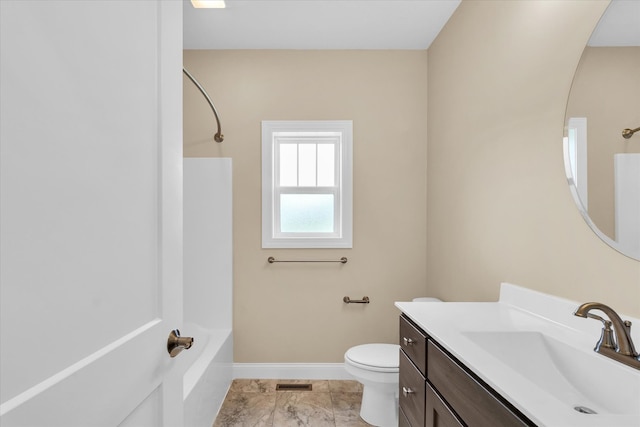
(306, 184)
(577, 155)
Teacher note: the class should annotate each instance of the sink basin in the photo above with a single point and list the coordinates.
(583, 379)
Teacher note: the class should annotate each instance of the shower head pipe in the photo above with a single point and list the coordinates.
(218, 137)
(628, 133)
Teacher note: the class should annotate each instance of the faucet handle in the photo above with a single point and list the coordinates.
(606, 338)
(632, 350)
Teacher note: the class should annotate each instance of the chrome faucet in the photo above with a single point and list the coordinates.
(621, 349)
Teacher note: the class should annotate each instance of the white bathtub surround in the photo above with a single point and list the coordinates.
(208, 246)
(531, 349)
(208, 288)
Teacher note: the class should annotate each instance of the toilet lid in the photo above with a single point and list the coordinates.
(375, 355)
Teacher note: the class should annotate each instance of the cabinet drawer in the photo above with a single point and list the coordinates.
(438, 413)
(414, 344)
(474, 404)
(412, 391)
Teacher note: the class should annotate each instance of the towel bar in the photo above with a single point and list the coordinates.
(342, 260)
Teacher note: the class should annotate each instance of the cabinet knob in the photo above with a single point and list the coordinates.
(406, 391)
(408, 341)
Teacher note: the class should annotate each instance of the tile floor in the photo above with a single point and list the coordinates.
(333, 403)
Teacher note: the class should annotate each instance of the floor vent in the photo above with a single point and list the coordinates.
(293, 387)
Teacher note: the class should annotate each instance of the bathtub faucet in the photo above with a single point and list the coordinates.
(621, 349)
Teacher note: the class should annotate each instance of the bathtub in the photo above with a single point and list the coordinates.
(208, 288)
(208, 373)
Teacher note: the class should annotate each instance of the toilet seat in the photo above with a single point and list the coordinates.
(375, 357)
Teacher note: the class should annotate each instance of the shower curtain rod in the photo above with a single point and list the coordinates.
(218, 137)
(628, 133)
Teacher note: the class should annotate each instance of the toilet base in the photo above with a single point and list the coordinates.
(379, 406)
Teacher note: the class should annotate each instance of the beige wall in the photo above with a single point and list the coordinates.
(294, 312)
(606, 90)
(499, 207)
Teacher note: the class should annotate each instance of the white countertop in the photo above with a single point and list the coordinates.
(519, 309)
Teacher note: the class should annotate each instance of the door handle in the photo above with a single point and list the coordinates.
(176, 343)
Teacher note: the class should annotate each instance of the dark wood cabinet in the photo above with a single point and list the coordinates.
(436, 390)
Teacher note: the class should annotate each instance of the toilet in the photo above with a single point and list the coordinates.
(375, 366)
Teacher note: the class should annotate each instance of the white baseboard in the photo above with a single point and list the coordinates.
(291, 371)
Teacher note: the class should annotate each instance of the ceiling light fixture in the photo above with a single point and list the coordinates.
(209, 4)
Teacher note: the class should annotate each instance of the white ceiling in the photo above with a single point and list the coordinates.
(317, 24)
(619, 26)
(356, 24)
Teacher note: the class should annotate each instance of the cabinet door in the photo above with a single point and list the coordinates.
(437, 413)
(412, 387)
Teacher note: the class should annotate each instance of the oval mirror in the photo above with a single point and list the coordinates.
(602, 129)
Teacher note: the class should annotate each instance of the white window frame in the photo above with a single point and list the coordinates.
(339, 132)
(577, 140)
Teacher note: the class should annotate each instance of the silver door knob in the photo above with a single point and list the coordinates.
(176, 343)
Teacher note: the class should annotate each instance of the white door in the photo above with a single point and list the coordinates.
(90, 220)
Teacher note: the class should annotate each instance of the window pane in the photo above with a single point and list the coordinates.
(326, 165)
(307, 165)
(306, 213)
(288, 165)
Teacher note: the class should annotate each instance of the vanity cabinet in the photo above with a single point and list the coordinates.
(436, 390)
